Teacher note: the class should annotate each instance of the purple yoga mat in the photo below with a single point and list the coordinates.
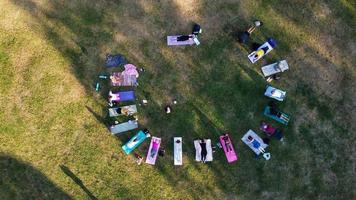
(153, 150)
(126, 95)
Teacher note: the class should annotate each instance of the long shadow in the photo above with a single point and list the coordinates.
(19, 180)
(77, 180)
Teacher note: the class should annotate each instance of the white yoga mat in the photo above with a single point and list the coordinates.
(178, 152)
(209, 156)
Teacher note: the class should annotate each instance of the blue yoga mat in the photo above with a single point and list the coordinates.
(134, 142)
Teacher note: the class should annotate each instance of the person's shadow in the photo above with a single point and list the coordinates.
(79, 182)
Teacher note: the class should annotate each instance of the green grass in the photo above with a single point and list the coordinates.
(52, 51)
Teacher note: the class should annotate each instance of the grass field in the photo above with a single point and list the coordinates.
(54, 143)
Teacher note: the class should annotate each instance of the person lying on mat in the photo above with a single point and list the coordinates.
(227, 142)
(260, 53)
(183, 38)
(135, 140)
(204, 152)
(154, 148)
(254, 142)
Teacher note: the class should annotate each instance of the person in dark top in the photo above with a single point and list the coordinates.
(204, 152)
(265, 49)
(196, 29)
(279, 114)
(162, 152)
(276, 76)
(118, 110)
(183, 38)
(227, 142)
(266, 140)
(244, 36)
(279, 135)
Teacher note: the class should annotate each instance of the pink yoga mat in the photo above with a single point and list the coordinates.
(153, 150)
(229, 153)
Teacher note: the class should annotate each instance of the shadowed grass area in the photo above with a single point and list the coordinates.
(20, 180)
(51, 53)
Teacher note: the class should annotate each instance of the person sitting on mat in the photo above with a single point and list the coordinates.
(138, 159)
(274, 77)
(168, 109)
(227, 142)
(196, 29)
(266, 140)
(154, 148)
(161, 152)
(204, 152)
(244, 36)
(113, 97)
(147, 132)
(279, 135)
(183, 38)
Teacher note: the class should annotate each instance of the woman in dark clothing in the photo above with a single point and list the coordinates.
(196, 29)
(244, 36)
(204, 152)
(227, 142)
(183, 37)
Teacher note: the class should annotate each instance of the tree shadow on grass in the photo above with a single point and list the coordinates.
(19, 180)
